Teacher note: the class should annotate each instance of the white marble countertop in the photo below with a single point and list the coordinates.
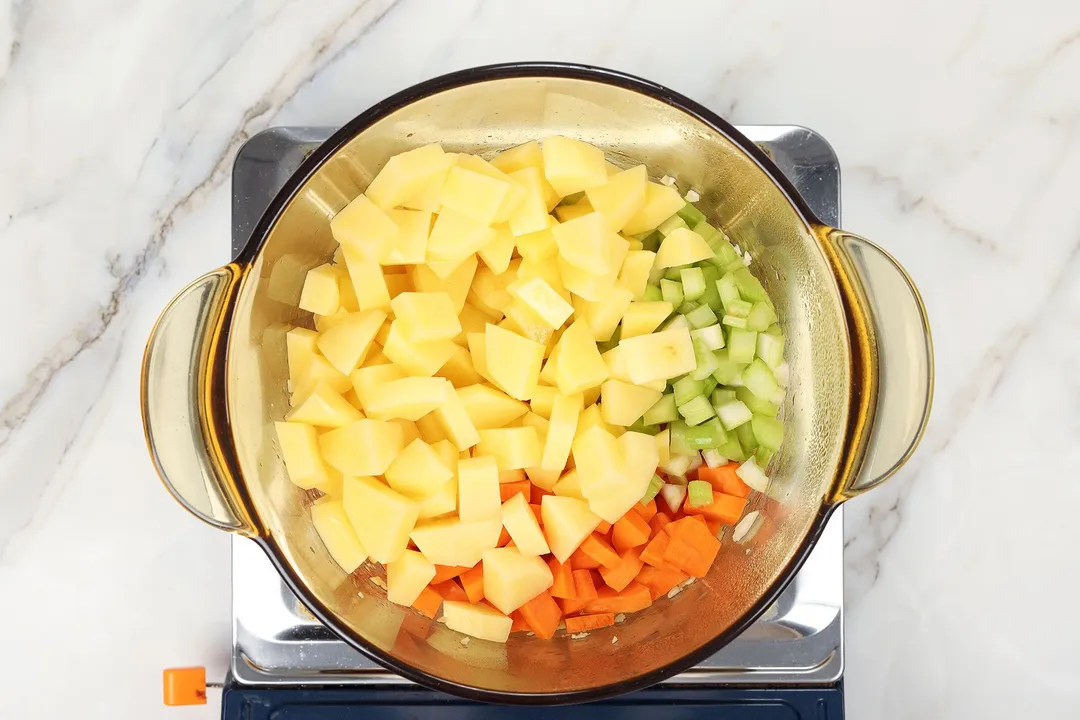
(957, 128)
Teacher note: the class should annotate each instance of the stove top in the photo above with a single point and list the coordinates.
(276, 642)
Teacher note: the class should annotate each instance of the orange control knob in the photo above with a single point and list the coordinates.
(184, 686)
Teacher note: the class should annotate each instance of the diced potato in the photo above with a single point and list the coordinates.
(513, 448)
(489, 407)
(406, 174)
(409, 398)
(426, 317)
(407, 576)
(367, 280)
(634, 274)
(324, 407)
(441, 502)
(491, 290)
(586, 285)
(409, 247)
(365, 447)
(567, 522)
(478, 489)
(641, 318)
(526, 323)
(367, 379)
(301, 345)
(498, 253)
(334, 529)
(427, 197)
(459, 369)
(682, 247)
(321, 294)
(531, 419)
(416, 358)
(532, 178)
(590, 418)
(346, 293)
(541, 478)
(347, 344)
(580, 366)
(621, 197)
(663, 447)
(583, 242)
(661, 202)
(623, 404)
(363, 227)
(569, 485)
(300, 450)
(551, 366)
(381, 517)
(531, 215)
(572, 165)
(319, 370)
(598, 460)
(417, 471)
(542, 300)
(640, 461)
(478, 621)
(325, 322)
(397, 284)
(659, 356)
(430, 430)
(478, 353)
(566, 213)
(472, 321)
(456, 285)
(512, 578)
(409, 431)
(613, 358)
(538, 246)
(448, 541)
(560, 433)
(603, 317)
(519, 157)
(472, 195)
(543, 400)
(456, 424)
(455, 237)
(513, 361)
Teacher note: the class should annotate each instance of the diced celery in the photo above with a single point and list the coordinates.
(671, 291)
(676, 322)
(736, 382)
(711, 337)
(696, 411)
(663, 411)
(706, 363)
(713, 458)
(679, 444)
(700, 317)
(693, 282)
(651, 241)
(655, 484)
(676, 469)
(725, 255)
(710, 385)
(734, 321)
(652, 294)
(699, 493)
(770, 348)
(721, 396)
(732, 450)
(671, 224)
(572, 198)
(674, 273)
(761, 316)
(691, 215)
(763, 456)
(747, 439)
(687, 307)
(741, 345)
(738, 308)
(759, 380)
(686, 388)
(756, 404)
(727, 371)
(727, 289)
(775, 330)
(749, 286)
(733, 414)
(768, 430)
(709, 435)
(711, 296)
(707, 231)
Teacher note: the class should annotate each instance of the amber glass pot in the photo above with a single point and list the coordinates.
(858, 343)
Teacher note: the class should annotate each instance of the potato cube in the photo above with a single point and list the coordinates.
(513, 196)
(409, 247)
(539, 245)
(324, 407)
(543, 300)
(519, 157)
(560, 432)
(409, 431)
(522, 321)
(426, 317)
(512, 578)
(513, 361)
(531, 215)
(641, 318)
(490, 408)
(567, 522)
(409, 398)
(417, 471)
(406, 174)
(580, 366)
(603, 317)
(416, 358)
(624, 404)
(661, 202)
(491, 289)
(320, 294)
(478, 621)
(300, 450)
(498, 252)
(513, 448)
(456, 424)
(367, 379)
(621, 197)
(301, 346)
(597, 459)
(634, 274)
(569, 485)
(368, 282)
(441, 502)
(533, 180)
(449, 541)
(381, 517)
(658, 356)
(543, 400)
(431, 431)
(334, 529)
(454, 237)
(682, 247)
(407, 576)
(472, 321)
(456, 284)
(365, 447)
(472, 195)
(566, 213)
(365, 228)
(583, 242)
(346, 344)
(478, 489)
(586, 285)
(572, 165)
(639, 460)
(459, 369)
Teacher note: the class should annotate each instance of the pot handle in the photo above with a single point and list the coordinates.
(893, 360)
(183, 408)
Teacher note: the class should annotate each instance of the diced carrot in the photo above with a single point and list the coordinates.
(519, 624)
(629, 566)
(450, 590)
(647, 510)
(653, 554)
(603, 528)
(428, 602)
(563, 585)
(631, 530)
(715, 526)
(510, 489)
(584, 623)
(445, 572)
(659, 520)
(542, 614)
(584, 592)
(725, 508)
(632, 598)
(473, 582)
(692, 548)
(504, 538)
(536, 511)
(580, 561)
(724, 479)
(509, 476)
(537, 495)
(601, 551)
(673, 527)
(660, 580)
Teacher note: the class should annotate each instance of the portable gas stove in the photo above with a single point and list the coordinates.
(285, 664)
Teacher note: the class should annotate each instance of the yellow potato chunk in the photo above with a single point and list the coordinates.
(543, 300)
(513, 448)
(623, 404)
(459, 369)
(319, 370)
(407, 576)
(634, 274)
(560, 432)
(301, 346)
(334, 529)
(580, 366)
(409, 247)
(346, 344)
(456, 424)
(519, 157)
(426, 317)
(454, 237)
(491, 290)
(362, 226)
(621, 197)
(583, 242)
(320, 294)
(682, 247)
(368, 282)
(417, 470)
(478, 621)
(473, 195)
(566, 213)
(416, 358)
(661, 202)
(539, 245)
(533, 180)
(567, 522)
(381, 517)
(406, 174)
(597, 459)
(431, 431)
(456, 284)
(497, 253)
(300, 450)
(572, 165)
(513, 361)
(512, 578)
(543, 401)
(490, 408)
(478, 489)
(569, 485)
(641, 318)
(441, 502)
(603, 317)
(364, 447)
(324, 407)
(531, 214)
(639, 463)
(448, 541)
(659, 356)
(367, 379)
(409, 398)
